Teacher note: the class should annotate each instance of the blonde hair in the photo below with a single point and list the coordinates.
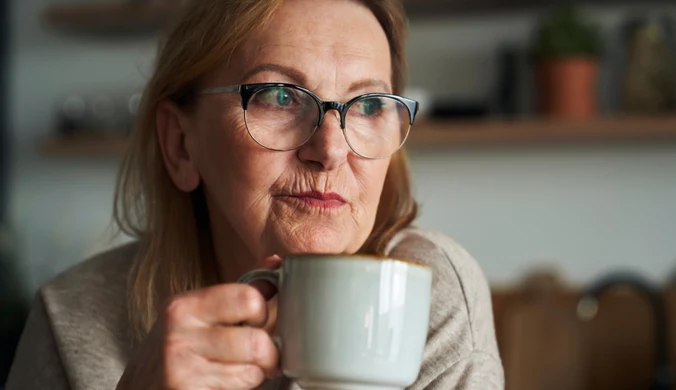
(172, 227)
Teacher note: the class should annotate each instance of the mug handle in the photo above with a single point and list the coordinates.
(268, 275)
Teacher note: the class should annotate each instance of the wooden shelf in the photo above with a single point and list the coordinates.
(541, 131)
(85, 147)
(447, 135)
(128, 18)
(132, 17)
(439, 8)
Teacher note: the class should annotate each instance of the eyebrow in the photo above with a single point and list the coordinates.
(291, 73)
(299, 78)
(369, 83)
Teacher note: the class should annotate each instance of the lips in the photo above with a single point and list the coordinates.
(326, 200)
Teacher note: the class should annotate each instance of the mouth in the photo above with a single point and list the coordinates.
(322, 200)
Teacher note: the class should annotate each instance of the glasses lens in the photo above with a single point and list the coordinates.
(281, 118)
(377, 126)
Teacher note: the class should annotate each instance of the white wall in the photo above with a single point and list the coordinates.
(61, 208)
(586, 209)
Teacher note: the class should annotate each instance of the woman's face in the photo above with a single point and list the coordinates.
(320, 198)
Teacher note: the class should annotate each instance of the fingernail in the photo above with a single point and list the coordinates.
(254, 375)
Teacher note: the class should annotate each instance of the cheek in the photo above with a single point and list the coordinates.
(224, 148)
(236, 172)
(217, 135)
(370, 175)
(216, 150)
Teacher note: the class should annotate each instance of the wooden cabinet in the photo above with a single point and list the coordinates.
(545, 346)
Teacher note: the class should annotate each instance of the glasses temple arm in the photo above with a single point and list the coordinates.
(218, 90)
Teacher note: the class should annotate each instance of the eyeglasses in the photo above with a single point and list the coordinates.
(283, 117)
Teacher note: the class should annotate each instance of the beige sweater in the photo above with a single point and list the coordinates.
(77, 335)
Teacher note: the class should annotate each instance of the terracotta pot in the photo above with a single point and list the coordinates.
(567, 87)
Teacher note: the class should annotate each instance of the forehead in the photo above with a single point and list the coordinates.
(328, 41)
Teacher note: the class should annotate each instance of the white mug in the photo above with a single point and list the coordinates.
(350, 322)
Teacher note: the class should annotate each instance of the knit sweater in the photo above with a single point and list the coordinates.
(78, 334)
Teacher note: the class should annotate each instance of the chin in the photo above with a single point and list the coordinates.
(318, 239)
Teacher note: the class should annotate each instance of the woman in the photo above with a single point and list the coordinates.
(240, 157)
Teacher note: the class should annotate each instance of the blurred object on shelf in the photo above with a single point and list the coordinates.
(649, 77)
(509, 83)
(567, 50)
(568, 88)
(671, 279)
(459, 109)
(97, 115)
(72, 115)
(423, 97)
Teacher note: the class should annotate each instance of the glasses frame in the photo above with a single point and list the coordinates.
(247, 91)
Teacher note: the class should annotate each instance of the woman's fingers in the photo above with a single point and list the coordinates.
(215, 376)
(204, 338)
(236, 377)
(227, 304)
(198, 341)
(238, 345)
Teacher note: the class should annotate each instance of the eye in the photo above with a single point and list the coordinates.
(277, 96)
(370, 106)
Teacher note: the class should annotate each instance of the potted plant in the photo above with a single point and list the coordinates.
(567, 51)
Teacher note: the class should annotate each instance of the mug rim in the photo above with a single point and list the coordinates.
(358, 256)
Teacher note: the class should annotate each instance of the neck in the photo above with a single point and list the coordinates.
(232, 257)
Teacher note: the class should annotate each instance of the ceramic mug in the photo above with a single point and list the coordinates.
(350, 322)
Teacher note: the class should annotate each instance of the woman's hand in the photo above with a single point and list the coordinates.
(197, 342)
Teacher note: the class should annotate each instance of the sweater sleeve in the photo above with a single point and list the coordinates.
(461, 351)
(37, 364)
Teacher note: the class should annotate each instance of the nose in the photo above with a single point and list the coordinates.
(327, 149)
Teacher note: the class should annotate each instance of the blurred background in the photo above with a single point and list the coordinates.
(546, 146)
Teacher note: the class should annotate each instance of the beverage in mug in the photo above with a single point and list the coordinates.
(350, 322)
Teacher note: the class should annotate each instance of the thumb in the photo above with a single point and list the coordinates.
(270, 262)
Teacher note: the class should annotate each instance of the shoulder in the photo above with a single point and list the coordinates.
(444, 255)
(461, 294)
(86, 308)
(93, 290)
(36, 363)
(461, 349)
(104, 271)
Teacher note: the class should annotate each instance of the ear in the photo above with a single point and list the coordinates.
(172, 134)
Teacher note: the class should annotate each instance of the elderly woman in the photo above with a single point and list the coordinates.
(268, 128)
